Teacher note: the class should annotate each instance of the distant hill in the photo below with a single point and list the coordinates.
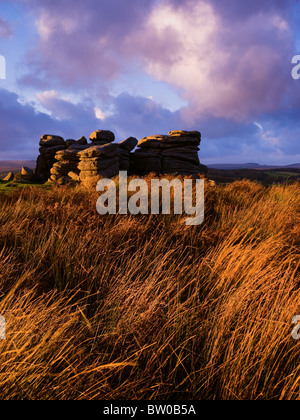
(230, 166)
(233, 166)
(294, 166)
(15, 165)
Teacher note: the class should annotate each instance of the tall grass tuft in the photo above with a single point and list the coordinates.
(135, 307)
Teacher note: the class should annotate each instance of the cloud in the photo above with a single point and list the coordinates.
(243, 10)
(62, 108)
(139, 117)
(5, 29)
(269, 140)
(229, 59)
(21, 126)
(128, 115)
(222, 140)
(82, 44)
(235, 69)
(100, 115)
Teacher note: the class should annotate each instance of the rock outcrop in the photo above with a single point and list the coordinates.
(65, 169)
(102, 136)
(9, 177)
(175, 154)
(99, 161)
(66, 162)
(125, 147)
(27, 174)
(49, 146)
(72, 161)
(82, 141)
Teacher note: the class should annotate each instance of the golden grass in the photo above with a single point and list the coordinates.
(123, 307)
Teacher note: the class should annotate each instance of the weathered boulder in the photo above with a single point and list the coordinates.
(49, 140)
(180, 142)
(68, 154)
(171, 165)
(109, 172)
(62, 168)
(145, 163)
(78, 147)
(9, 177)
(26, 171)
(124, 156)
(176, 153)
(125, 147)
(182, 133)
(67, 162)
(95, 164)
(27, 174)
(81, 141)
(152, 141)
(49, 152)
(69, 142)
(147, 153)
(95, 151)
(49, 146)
(128, 144)
(61, 180)
(99, 161)
(181, 154)
(102, 135)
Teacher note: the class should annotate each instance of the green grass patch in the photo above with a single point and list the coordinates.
(284, 175)
(9, 186)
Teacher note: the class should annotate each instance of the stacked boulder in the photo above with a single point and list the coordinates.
(180, 153)
(82, 141)
(175, 154)
(9, 177)
(147, 158)
(100, 160)
(101, 137)
(71, 161)
(25, 175)
(65, 169)
(49, 146)
(125, 149)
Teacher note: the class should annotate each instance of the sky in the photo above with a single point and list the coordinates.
(144, 67)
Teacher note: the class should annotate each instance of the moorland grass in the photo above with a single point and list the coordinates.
(136, 307)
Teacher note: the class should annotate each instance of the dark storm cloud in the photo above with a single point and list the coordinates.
(229, 59)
